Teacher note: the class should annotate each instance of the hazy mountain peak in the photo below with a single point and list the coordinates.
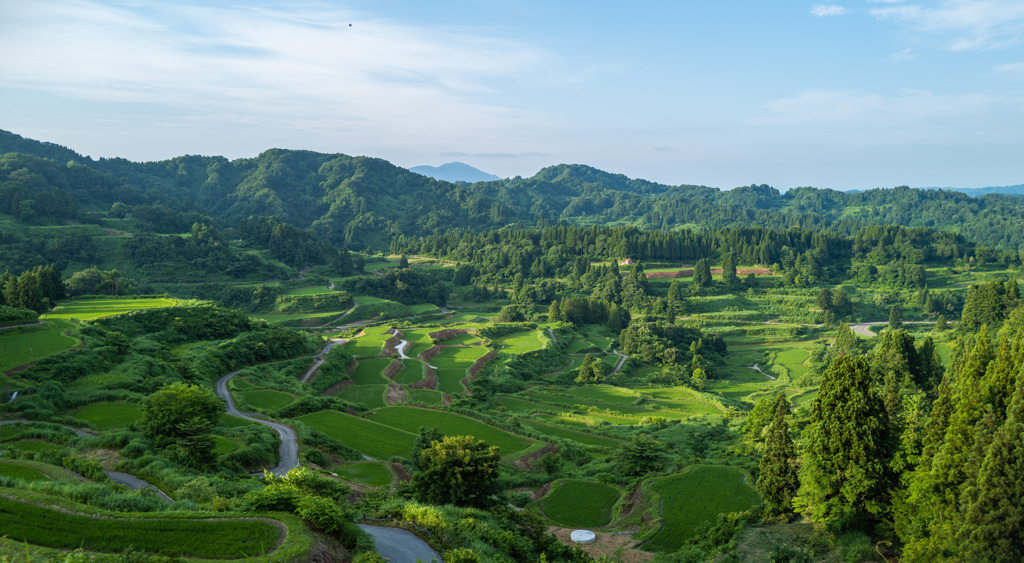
(454, 172)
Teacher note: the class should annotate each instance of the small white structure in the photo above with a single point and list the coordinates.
(583, 536)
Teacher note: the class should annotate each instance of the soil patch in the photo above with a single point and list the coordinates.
(619, 546)
(395, 394)
(447, 333)
(429, 380)
(527, 461)
(430, 353)
(337, 387)
(393, 368)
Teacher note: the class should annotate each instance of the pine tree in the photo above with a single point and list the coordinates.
(403, 262)
(993, 529)
(778, 480)
(896, 317)
(702, 273)
(554, 312)
(729, 277)
(674, 291)
(845, 477)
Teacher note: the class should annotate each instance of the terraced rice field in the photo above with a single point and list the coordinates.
(426, 397)
(365, 472)
(580, 504)
(223, 538)
(369, 437)
(267, 399)
(371, 371)
(696, 496)
(520, 342)
(410, 419)
(449, 380)
(17, 471)
(584, 438)
(29, 344)
(88, 309)
(411, 373)
(107, 415)
(370, 395)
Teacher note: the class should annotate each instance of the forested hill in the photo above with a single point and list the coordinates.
(360, 201)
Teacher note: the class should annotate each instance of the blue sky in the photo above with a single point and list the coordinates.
(845, 95)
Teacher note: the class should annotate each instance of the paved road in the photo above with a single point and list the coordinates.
(621, 361)
(289, 450)
(135, 483)
(400, 546)
(319, 358)
(863, 330)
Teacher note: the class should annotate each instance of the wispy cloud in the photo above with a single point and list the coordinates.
(826, 10)
(1011, 68)
(664, 148)
(909, 107)
(964, 24)
(904, 55)
(306, 67)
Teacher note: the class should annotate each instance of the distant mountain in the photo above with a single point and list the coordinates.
(455, 172)
(360, 201)
(979, 192)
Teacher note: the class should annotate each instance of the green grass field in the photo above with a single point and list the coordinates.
(580, 504)
(371, 438)
(107, 415)
(234, 421)
(29, 344)
(367, 473)
(606, 393)
(267, 399)
(463, 339)
(223, 538)
(370, 371)
(520, 342)
(697, 495)
(410, 419)
(370, 395)
(88, 309)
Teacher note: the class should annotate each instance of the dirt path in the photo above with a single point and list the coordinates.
(552, 333)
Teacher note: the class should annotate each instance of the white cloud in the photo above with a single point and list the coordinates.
(964, 24)
(1011, 68)
(377, 81)
(825, 10)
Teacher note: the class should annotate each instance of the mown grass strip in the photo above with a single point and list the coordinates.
(222, 538)
(568, 434)
(450, 424)
(371, 438)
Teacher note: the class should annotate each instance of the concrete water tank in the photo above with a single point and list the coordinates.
(583, 536)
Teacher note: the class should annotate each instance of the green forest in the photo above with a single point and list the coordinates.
(279, 354)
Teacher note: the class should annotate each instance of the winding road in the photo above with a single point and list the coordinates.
(289, 450)
(400, 546)
(318, 360)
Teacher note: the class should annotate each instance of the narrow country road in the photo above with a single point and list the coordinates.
(400, 546)
(863, 330)
(756, 367)
(289, 450)
(135, 483)
(319, 358)
(621, 361)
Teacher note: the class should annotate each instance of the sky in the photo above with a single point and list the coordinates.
(846, 95)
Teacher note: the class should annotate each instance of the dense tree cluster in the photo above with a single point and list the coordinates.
(36, 290)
